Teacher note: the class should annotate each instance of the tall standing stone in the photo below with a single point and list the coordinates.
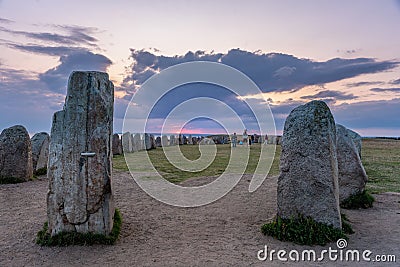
(158, 141)
(172, 140)
(116, 145)
(137, 142)
(15, 154)
(40, 150)
(147, 141)
(308, 182)
(164, 141)
(352, 175)
(356, 139)
(80, 195)
(127, 142)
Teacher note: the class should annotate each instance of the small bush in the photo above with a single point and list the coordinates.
(10, 180)
(41, 171)
(362, 200)
(302, 230)
(75, 238)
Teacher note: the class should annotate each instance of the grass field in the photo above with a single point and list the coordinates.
(381, 159)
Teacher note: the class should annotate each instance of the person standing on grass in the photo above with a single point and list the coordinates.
(234, 140)
(245, 137)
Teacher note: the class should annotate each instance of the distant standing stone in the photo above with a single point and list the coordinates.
(352, 175)
(116, 145)
(158, 141)
(40, 150)
(16, 154)
(172, 140)
(308, 182)
(164, 140)
(127, 143)
(147, 141)
(80, 195)
(137, 143)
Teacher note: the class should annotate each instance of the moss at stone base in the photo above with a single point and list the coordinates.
(303, 230)
(10, 180)
(362, 200)
(75, 238)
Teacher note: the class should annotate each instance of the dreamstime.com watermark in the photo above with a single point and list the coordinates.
(330, 254)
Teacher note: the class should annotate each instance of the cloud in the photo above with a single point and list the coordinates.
(369, 114)
(5, 21)
(56, 78)
(359, 84)
(395, 82)
(330, 95)
(394, 90)
(46, 50)
(75, 35)
(271, 72)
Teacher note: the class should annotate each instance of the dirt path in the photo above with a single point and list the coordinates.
(224, 233)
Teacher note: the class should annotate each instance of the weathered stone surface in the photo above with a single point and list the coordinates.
(127, 145)
(80, 193)
(147, 141)
(40, 150)
(158, 141)
(308, 182)
(172, 140)
(164, 140)
(152, 142)
(15, 154)
(352, 176)
(117, 145)
(357, 140)
(137, 143)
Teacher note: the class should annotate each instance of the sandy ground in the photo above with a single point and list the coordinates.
(224, 233)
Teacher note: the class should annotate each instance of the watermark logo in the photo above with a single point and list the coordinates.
(330, 254)
(233, 101)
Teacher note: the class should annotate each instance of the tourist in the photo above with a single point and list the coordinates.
(234, 140)
(245, 137)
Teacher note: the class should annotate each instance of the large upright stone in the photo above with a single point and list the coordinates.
(308, 182)
(40, 150)
(356, 139)
(116, 145)
(15, 154)
(147, 141)
(80, 193)
(352, 175)
(164, 141)
(127, 145)
(158, 141)
(137, 143)
(172, 140)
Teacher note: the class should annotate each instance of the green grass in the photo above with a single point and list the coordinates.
(191, 152)
(381, 160)
(75, 238)
(380, 157)
(304, 231)
(362, 200)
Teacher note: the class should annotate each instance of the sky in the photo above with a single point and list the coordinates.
(346, 53)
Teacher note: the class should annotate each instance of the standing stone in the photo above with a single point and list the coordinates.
(158, 141)
(137, 143)
(352, 176)
(152, 142)
(147, 141)
(164, 141)
(357, 140)
(80, 195)
(172, 141)
(116, 145)
(15, 154)
(127, 143)
(189, 140)
(308, 182)
(40, 150)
